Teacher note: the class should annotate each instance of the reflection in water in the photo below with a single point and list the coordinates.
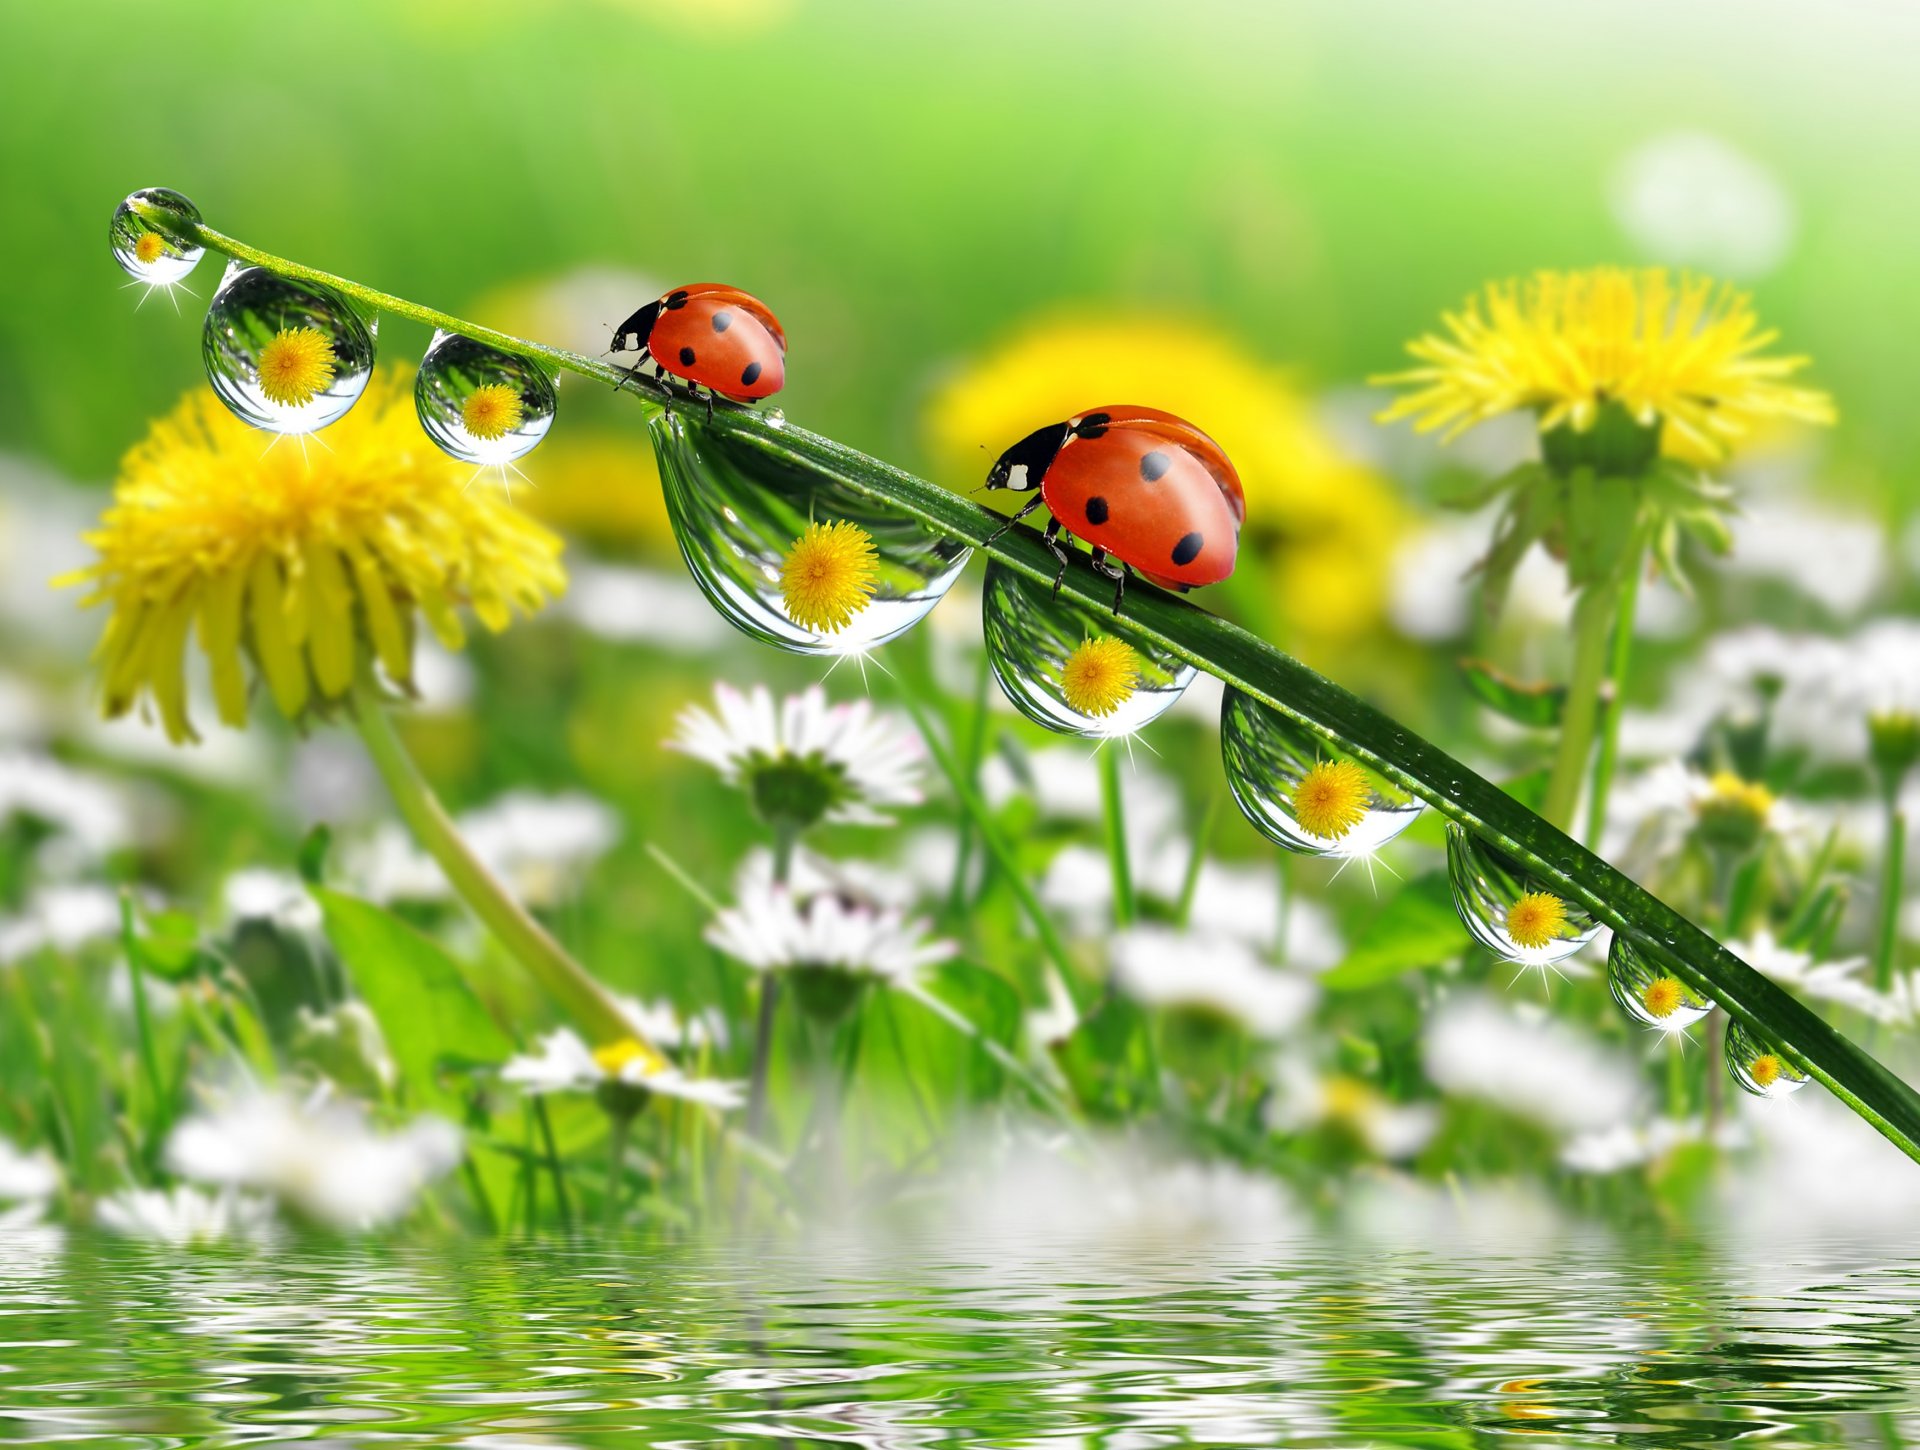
(1640, 1341)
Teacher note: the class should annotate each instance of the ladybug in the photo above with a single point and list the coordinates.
(713, 336)
(1142, 487)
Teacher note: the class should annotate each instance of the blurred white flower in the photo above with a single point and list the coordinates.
(541, 845)
(564, 1063)
(24, 713)
(869, 760)
(1528, 1063)
(442, 680)
(185, 1217)
(319, 1157)
(1053, 1024)
(61, 919)
(1629, 1145)
(643, 606)
(1436, 588)
(1837, 560)
(775, 928)
(26, 1177)
(1209, 973)
(1303, 1099)
(661, 1023)
(1820, 1171)
(256, 893)
(87, 808)
(1690, 199)
(1063, 781)
(1838, 982)
(346, 1044)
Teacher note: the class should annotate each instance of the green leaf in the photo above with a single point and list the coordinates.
(1108, 1061)
(430, 1016)
(1540, 706)
(1418, 927)
(991, 1003)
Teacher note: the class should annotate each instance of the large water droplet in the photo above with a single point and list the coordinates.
(1508, 909)
(1302, 793)
(1073, 669)
(480, 404)
(740, 503)
(1758, 1066)
(1648, 993)
(286, 356)
(148, 255)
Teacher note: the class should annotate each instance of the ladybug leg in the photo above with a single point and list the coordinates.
(1116, 572)
(1026, 508)
(1052, 540)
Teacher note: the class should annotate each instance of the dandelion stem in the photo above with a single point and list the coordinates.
(584, 999)
(1113, 806)
(1616, 700)
(1892, 869)
(1593, 621)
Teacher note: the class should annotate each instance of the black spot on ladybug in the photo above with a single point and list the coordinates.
(722, 321)
(686, 357)
(751, 375)
(1153, 467)
(675, 301)
(1096, 511)
(1188, 549)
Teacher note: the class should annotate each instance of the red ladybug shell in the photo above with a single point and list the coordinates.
(721, 338)
(1153, 491)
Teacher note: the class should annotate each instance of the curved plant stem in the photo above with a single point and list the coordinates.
(1114, 808)
(569, 983)
(1593, 620)
(1174, 625)
(1615, 704)
(1892, 875)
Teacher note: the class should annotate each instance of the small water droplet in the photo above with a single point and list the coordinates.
(480, 404)
(775, 418)
(286, 356)
(1077, 670)
(1300, 793)
(737, 511)
(1648, 993)
(1510, 911)
(1758, 1066)
(148, 255)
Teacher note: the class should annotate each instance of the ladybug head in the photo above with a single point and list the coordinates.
(638, 327)
(1022, 466)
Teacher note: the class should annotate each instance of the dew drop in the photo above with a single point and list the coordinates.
(775, 418)
(1510, 911)
(1759, 1067)
(480, 404)
(738, 507)
(1648, 993)
(286, 356)
(1071, 668)
(144, 253)
(1300, 793)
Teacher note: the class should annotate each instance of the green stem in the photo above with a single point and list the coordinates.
(569, 983)
(617, 1166)
(1593, 618)
(1616, 704)
(1892, 877)
(1332, 714)
(1114, 808)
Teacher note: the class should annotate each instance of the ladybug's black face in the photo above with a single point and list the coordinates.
(1023, 466)
(638, 327)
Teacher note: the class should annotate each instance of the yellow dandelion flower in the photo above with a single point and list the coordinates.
(1765, 1070)
(1687, 353)
(492, 411)
(1536, 919)
(615, 1057)
(1732, 813)
(302, 563)
(1332, 799)
(1322, 529)
(150, 248)
(1100, 675)
(1663, 996)
(828, 577)
(296, 366)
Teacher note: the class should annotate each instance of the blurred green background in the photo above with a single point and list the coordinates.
(908, 182)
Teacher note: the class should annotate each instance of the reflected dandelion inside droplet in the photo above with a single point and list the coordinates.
(479, 404)
(787, 550)
(1759, 1066)
(285, 356)
(1508, 909)
(1647, 992)
(145, 253)
(1072, 668)
(1300, 792)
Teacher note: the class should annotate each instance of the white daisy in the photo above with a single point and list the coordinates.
(184, 1216)
(564, 1063)
(319, 1157)
(1209, 973)
(1304, 1098)
(86, 808)
(804, 759)
(774, 928)
(1627, 1145)
(1838, 982)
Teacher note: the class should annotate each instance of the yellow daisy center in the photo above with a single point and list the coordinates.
(296, 366)
(1100, 676)
(150, 248)
(1663, 996)
(1332, 799)
(1765, 1070)
(1536, 919)
(1734, 796)
(615, 1058)
(829, 576)
(492, 411)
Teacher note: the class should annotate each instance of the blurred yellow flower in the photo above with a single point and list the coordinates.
(301, 562)
(599, 488)
(1321, 527)
(1565, 344)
